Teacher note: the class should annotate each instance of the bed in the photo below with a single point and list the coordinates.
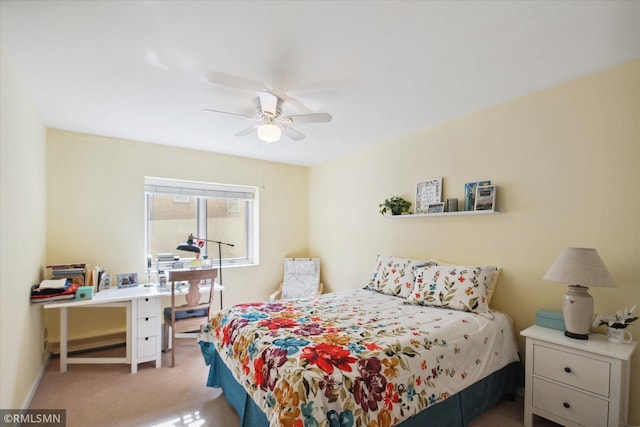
(389, 354)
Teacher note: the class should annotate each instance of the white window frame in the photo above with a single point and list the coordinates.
(201, 191)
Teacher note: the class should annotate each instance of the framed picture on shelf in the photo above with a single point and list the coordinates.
(470, 193)
(427, 193)
(485, 198)
(127, 280)
(436, 207)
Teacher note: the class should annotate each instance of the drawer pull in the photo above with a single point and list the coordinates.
(147, 339)
(566, 405)
(146, 319)
(146, 299)
(567, 370)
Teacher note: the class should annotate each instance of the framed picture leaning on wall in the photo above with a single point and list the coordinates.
(427, 193)
(470, 193)
(485, 198)
(436, 207)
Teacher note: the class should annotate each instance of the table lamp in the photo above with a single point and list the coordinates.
(189, 246)
(579, 268)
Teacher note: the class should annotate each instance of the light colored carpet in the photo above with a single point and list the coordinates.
(109, 395)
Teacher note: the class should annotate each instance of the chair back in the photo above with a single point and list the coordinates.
(194, 277)
(301, 277)
(192, 314)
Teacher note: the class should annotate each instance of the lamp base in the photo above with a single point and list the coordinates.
(576, 336)
(577, 310)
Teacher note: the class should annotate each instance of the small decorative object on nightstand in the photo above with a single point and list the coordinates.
(579, 268)
(616, 324)
(573, 382)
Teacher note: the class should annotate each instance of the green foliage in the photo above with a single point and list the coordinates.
(396, 205)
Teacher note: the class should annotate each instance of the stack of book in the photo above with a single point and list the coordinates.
(166, 257)
(65, 280)
(75, 272)
(53, 290)
(165, 262)
(94, 278)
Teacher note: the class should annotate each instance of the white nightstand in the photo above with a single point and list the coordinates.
(574, 382)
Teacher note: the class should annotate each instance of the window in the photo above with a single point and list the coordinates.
(227, 213)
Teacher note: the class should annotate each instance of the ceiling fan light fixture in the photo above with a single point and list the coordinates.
(270, 123)
(269, 132)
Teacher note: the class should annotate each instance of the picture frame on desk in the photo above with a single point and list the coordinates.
(105, 282)
(128, 280)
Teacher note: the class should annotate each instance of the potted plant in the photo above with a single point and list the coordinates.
(396, 205)
(616, 323)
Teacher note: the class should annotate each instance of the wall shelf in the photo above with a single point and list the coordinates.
(443, 214)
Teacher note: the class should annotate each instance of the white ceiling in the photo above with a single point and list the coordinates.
(382, 69)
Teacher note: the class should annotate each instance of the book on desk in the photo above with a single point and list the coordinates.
(53, 290)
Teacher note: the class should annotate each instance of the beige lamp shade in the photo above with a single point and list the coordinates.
(581, 267)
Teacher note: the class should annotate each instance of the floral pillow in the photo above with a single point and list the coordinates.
(394, 276)
(457, 287)
(491, 287)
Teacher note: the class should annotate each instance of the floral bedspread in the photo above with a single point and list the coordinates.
(356, 357)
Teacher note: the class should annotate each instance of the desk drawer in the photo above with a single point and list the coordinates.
(146, 347)
(147, 326)
(570, 404)
(148, 307)
(568, 368)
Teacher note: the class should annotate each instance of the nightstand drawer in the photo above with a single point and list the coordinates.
(569, 404)
(146, 347)
(147, 307)
(147, 326)
(568, 368)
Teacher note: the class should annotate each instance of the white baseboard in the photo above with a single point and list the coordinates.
(36, 382)
(90, 343)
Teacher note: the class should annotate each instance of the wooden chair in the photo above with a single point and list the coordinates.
(192, 314)
(301, 279)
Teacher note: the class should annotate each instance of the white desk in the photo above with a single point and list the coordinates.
(143, 318)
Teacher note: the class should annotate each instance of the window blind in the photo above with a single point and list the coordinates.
(198, 189)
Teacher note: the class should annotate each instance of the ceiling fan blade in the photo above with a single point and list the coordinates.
(292, 133)
(247, 131)
(268, 102)
(244, 116)
(222, 79)
(308, 118)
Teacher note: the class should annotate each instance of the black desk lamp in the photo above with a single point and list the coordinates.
(190, 246)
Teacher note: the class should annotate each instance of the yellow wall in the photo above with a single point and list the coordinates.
(96, 212)
(22, 246)
(566, 163)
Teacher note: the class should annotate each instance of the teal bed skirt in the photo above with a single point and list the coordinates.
(457, 411)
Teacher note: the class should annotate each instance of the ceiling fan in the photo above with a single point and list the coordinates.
(271, 123)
